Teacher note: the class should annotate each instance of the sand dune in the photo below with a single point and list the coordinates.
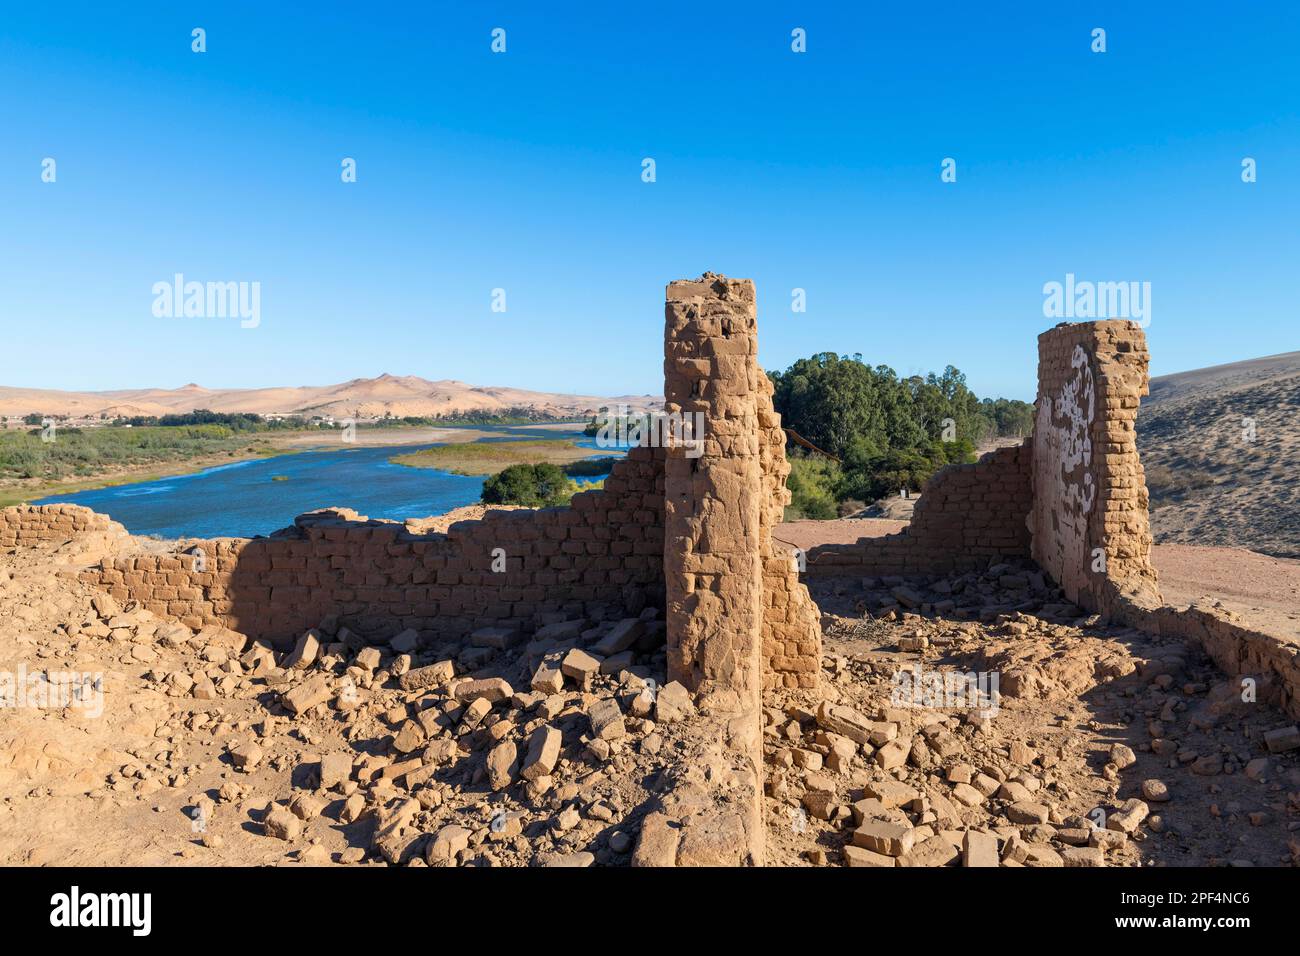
(360, 398)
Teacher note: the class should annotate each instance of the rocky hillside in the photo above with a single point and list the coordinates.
(1221, 447)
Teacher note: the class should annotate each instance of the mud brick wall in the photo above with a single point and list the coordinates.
(588, 560)
(969, 517)
(1089, 523)
(713, 571)
(738, 618)
(791, 621)
(716, 495)
(27, 525)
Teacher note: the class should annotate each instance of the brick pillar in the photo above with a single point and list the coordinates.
(712, 503)
(1089, 522)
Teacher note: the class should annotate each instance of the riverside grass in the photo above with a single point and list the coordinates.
(489, 458)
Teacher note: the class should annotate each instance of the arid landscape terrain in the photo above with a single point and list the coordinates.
(562, 737)
(210, 749)
(395, 396)
(1221, 447)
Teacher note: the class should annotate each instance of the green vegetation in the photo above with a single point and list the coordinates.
(533, 486)
(889, 433)
(488, 458)
(812, 484)
(616, 424)
(78, 452)
(235, 422)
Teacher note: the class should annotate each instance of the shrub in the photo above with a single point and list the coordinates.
(533, 486)
(812, 484)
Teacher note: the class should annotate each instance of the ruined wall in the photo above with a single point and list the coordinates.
(969, 517)
(791, 621)
(24, 526)
(603, 553)
(737, 615)
(1089, 524)
(713, 499)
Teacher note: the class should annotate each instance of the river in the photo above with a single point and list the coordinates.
(260, 496)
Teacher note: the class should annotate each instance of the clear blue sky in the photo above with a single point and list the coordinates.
(523, 171)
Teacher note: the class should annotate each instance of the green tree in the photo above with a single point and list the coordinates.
(813, 483)
(533, 486)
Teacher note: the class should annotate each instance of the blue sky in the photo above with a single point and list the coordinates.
(522, 171)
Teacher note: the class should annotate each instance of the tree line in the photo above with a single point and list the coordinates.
(889, 433)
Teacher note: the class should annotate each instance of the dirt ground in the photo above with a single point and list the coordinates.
(175, 747)
(1105, 747)
(1088, 715)
(1257, 586)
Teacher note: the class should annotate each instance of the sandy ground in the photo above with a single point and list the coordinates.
(1257, 586)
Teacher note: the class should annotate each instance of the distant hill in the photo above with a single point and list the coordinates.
(1209, 484)
(360, 398)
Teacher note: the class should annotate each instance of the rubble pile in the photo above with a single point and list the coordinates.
(563, 746)
(1104, 747)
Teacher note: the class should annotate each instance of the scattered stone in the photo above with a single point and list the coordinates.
(281, 824)
(304, 652)
(979, 849)
(497, 638)
(335, 769)
(548, 680)
(543, 752)
(673, 702)
(305, 696)
(606, 720)
(879, 836)
(502, 764)
(1282, 739)
(447, 843)
(407, 642)
(581, 666)
(422, 678)
(621, 637)
(1129, 817)
(1155, 790)
(860, 856)
(1122, 756)
(246, 757)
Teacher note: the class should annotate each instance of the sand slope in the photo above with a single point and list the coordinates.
(1212, 480)
(359, 398)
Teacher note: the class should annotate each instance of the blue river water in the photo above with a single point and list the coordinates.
(244, 498)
